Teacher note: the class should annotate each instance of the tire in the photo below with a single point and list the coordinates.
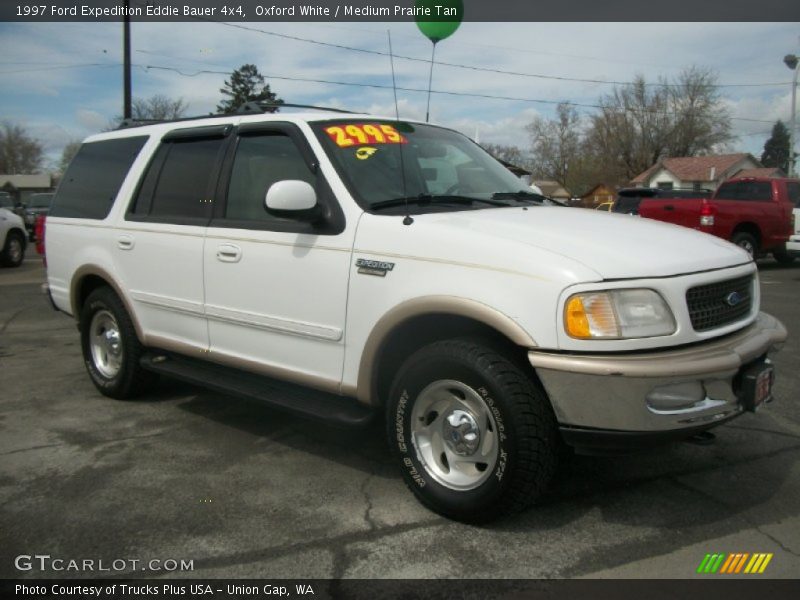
(783, 257)
(14, 250)
(747, 242)
(503, 440)
(111, 350)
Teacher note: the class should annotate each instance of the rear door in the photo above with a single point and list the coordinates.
(159, 247)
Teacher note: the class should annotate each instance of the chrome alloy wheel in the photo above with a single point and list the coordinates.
(105, 343)
(14, 250)
(455, 435)
(748, 246)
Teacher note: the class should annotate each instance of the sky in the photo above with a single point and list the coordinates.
(63, 81)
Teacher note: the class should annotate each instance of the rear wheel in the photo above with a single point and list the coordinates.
(746, 241)
(475, 437)
(111, 350)
(14, 250)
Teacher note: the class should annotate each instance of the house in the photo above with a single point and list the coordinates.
(553, 189)
(597, 195)
(695, 172)
(20, 187)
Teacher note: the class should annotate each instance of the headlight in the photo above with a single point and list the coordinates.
(616, 314)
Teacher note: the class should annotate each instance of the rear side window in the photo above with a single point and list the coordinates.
(176, 185)
(793, 189)
(94, 177)
(746, 190)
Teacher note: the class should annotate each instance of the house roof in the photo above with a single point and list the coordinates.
(590, 191)
(552, 189)
(695, 168)
(762, 172)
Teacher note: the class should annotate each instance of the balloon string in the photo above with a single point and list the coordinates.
(430, 80)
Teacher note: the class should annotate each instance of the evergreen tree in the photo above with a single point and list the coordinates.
(246, 84)
(776, 149)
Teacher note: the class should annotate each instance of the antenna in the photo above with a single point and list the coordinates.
(407, 220)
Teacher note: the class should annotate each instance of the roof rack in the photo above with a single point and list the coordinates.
(248, 108)
(260, 107)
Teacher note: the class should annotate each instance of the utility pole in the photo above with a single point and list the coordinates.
(126, 53)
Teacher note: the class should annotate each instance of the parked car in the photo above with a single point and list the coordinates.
(12, 238)
(38, 204)
(316, 262)
(754, 213)
(628, 199)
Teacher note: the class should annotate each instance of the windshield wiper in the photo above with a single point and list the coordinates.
(523, 195)
(425, 199)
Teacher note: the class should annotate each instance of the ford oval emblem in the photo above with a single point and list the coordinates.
(733, 299)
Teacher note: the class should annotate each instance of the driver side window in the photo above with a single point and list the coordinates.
(261, 161)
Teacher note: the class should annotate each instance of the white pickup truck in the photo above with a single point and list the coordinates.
(346, 266)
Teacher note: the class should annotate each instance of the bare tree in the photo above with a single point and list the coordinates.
(556, 145)
(155, 108)
(19, 152)
(158, 108)
(639, 124)
(510, 154)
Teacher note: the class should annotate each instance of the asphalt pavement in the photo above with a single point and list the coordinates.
(245, 491)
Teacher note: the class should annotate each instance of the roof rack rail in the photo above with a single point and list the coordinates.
(261, 107)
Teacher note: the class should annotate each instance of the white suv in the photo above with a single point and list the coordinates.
(343, 266)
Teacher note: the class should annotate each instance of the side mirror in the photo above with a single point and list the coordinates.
(291, 196)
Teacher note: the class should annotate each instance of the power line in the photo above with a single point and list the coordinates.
(473, 67)
(408, 89)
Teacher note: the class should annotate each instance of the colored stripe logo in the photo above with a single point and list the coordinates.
(735, 563)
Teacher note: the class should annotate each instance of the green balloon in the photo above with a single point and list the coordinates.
(446, 19)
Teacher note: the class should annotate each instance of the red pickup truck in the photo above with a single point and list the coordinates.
(754, 213)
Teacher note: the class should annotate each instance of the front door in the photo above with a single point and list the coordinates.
(276, 284)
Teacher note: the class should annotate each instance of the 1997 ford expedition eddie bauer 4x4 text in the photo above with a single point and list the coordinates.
(343, 266)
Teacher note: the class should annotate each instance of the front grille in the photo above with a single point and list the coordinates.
(718, 304)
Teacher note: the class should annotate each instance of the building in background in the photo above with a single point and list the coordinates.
(695, 172)
(20, 187)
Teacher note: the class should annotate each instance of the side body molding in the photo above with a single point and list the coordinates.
(423, 306)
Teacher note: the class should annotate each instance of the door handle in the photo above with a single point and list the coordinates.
(229, 253)
(669, 207)
(125, 242)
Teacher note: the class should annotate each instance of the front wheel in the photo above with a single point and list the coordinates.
(475, 437)
(111, 350)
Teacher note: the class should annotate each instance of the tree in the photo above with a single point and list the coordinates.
(638, 124)
(158, 108)
(556, 146)
(776, 149)
(155, 108)
(246, 84)
(69, 152)
(19, 152)
(510, 154)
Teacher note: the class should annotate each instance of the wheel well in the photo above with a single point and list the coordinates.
(85, 287)
(750, 228)
(19, 232)
(413, 334)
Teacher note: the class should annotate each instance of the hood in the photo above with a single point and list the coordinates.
(613, 246)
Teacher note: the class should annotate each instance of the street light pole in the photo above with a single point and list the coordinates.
(791, 61)
(126, 66)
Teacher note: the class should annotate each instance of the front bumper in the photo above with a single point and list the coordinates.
(659, 394)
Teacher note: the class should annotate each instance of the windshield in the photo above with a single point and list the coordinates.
(444, 170)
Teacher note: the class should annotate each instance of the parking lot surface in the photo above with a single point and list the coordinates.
(245, 491)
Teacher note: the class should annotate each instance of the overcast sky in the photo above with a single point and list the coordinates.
(64, 81)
